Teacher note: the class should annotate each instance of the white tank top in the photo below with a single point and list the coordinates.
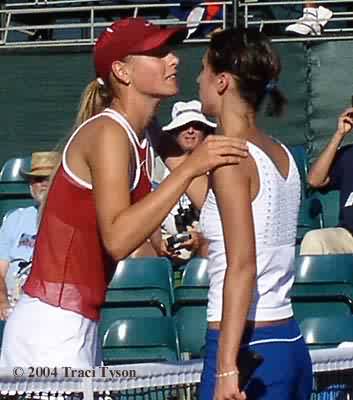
(275, 212)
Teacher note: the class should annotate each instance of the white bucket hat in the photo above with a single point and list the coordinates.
(186, 112)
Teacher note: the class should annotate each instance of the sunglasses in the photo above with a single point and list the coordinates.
(39, 179)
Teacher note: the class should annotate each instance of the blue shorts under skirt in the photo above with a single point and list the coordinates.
(285, 374)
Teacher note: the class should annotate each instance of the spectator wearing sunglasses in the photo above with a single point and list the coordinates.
(18, 233)
(189, 127)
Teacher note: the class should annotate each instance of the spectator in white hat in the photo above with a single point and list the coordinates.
(189, 127)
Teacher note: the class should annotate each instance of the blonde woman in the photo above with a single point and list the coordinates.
(99, 206)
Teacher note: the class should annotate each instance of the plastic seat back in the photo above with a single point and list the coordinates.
(10, 172)
(317, 269)
(195, 273)
(301, 159)
(327, 332)
(190, 307)
(145, 281)
(323, 286)
(141, 340)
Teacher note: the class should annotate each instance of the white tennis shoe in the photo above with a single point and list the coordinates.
(312, 21)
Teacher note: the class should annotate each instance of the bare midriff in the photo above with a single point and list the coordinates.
(252, 324)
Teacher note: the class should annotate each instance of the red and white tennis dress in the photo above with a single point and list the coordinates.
(55, 322)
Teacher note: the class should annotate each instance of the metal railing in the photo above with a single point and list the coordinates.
(72, 25)
(253, 12)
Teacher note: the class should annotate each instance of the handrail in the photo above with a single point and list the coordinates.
(248, 19)
(89, 20)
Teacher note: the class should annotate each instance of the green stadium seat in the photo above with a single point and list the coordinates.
(331, 207)
(301, 158)
(310, 212)
(191, 327)
(14, 190)
(310, 216)
(145, 280)
(323, 286)
(326, 332)
(10, 172)
(190, 307)
(141, 340)
(141, 287)
(336, 268)
(194, 282)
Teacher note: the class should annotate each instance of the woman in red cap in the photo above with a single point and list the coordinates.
(99, 207)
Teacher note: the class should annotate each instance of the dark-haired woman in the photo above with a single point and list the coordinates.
(249, 217)
(99, 206)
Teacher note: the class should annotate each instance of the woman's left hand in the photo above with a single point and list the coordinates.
(227, 388)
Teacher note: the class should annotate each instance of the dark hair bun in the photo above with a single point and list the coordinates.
(248, 54)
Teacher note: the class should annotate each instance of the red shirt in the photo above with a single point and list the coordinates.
(71, 268)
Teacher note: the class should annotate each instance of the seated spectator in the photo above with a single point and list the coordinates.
(189, 127)
(332, 171)
(312, 22)
(18, 233)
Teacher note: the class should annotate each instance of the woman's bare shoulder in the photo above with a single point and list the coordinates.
(102, 131)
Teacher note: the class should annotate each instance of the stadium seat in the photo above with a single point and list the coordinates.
(337, 268)
(141, 287)
(331, 207)
(323, 286)
(325, 332)
(310, 216)
(194, 281)
(301, 158)
(141, 340)
(190, 307)
(10, 172)
(14, 190)
(310, 212)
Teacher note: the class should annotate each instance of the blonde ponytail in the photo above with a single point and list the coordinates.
(95, 98)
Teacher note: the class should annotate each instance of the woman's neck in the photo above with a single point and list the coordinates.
(243, 125)
(138, 112)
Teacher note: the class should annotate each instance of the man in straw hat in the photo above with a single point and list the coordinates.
(189, 127)
(18, 233)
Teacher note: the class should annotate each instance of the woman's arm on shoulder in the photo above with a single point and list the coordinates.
(123, 226)
(232, 187)
(198, 188)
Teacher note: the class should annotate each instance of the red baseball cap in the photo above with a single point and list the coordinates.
(130, 36)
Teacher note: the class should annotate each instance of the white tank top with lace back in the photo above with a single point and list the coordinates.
(275, 212)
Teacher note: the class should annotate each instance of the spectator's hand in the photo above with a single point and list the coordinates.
(5, 309)
(345, 122)
(228, 388)
(174, 254)
(194, 243)
(164, 252)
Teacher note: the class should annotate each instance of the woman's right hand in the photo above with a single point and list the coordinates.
(345, 122)
(215, 151)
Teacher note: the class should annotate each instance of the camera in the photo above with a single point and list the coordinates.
(186, 217)
(174, 240)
